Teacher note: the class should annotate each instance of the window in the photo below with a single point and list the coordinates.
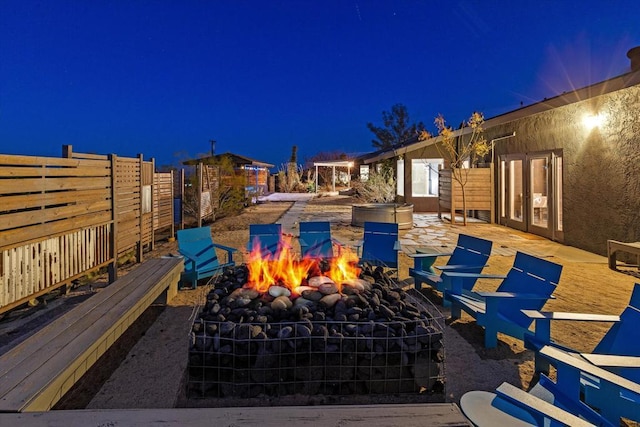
(400, 177)
(364, 173)
(424, 177)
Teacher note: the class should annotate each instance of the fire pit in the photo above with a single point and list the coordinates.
(308, 327)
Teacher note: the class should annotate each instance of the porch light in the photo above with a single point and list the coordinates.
(591, 121)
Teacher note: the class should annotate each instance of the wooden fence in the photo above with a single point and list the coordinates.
(61, 218)
(478, 190)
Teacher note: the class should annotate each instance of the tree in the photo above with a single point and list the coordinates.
(397, 128)
(461, 149)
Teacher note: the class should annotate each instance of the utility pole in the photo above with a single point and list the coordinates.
(213, 147)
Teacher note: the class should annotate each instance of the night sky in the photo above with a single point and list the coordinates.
(163, 78)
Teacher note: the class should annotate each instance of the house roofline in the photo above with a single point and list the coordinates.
(602, 88)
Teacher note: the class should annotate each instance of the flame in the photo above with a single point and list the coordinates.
(288, 270)
(343, 268)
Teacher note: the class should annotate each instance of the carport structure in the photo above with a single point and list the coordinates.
(333, 165)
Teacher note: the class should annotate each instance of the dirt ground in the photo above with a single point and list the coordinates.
(145, 369)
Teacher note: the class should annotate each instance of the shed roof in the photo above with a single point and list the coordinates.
(235, 158)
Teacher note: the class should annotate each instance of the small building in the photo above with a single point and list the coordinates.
(256, 172)
(566, 168)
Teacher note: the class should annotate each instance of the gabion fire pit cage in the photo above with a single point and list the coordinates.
(383, 341)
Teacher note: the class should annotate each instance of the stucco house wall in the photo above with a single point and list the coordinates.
(601, 166)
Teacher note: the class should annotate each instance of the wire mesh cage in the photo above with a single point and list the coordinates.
(320, 357)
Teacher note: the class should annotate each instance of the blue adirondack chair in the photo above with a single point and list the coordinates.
(469, 256)
(266, 237)
(200, 257)
(554, 403)
(510, 406)
(622, 339)
(528, 285)
(380, 245)
(316, 241)
(618, 350)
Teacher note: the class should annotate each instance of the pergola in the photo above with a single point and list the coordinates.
(334, 164)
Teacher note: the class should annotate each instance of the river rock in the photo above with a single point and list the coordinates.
(328, 288)
(281, 303)
(278, 291)
(316, 281)
(330, 300)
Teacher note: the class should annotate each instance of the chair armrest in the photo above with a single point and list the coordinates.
(542, 319)
(423, 255)
(226, 248)
(532, 403)
(230, 251)
(457, 268)
(456, 279)
(612, 360)
(560, 315)
(512, 295)
(192, 257)
(453, 274)
(567, 365)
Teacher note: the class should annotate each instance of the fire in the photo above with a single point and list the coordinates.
(290, 271)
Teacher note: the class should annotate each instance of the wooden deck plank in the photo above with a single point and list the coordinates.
(41, 369)
(405, 415)
(70, 320)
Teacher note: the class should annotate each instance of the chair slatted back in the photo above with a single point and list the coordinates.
(198, 242)
(266, 237)
(379, 246)
(529, 275)
(315, 239)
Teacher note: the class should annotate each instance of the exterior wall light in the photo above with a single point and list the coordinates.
(591, 121)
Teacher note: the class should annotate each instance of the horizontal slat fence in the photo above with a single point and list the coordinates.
(478, 191)
(162, 200)
(55, 223)
(61, 218)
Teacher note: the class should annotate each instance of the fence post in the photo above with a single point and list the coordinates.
(140, 221)
(113, 241)
(67, 151)
(181, 199)
(153, 207)
(173, 225)
(199, 194)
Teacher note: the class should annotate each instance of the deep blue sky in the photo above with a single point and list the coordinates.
(163, 78)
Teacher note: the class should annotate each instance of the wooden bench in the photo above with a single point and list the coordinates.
(36, 373)
(406, 415)
(613, 246)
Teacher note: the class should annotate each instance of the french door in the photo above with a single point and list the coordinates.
(531, 193)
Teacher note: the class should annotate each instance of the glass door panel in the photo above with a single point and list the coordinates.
(558, 193)
(516, 201)
(539, 191)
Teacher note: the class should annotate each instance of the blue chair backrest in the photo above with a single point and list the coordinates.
(268, 237)
(198, 242)
(634, 301)
(471, 251)
(623, 338)
(529, 275)
(379, 243)
(315, 239)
